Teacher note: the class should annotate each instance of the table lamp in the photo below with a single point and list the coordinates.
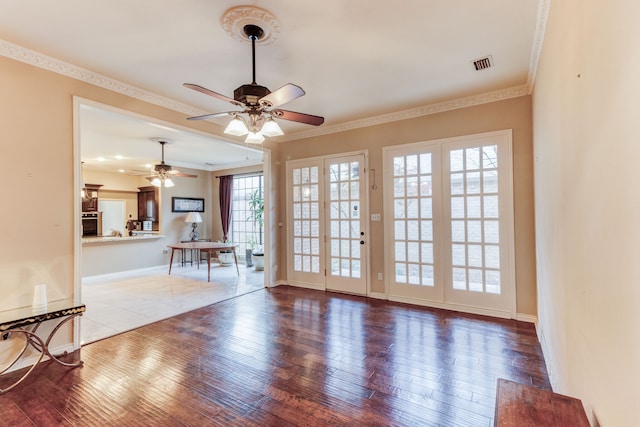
(194, 218)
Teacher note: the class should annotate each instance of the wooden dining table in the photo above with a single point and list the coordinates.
(206, 247)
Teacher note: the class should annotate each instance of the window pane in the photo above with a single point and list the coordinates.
(456, 160)
(245, 230)
(457, 231)
(426, 230)
(457, 183)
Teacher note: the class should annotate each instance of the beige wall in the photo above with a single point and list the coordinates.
(39, 119)
(38, 209)
(509, 114)
(587, 151)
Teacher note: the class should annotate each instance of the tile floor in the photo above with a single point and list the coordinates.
(120, 302)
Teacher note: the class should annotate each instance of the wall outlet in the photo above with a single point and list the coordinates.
(165, 250)
(379, 276)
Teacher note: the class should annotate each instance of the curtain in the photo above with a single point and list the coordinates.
(226, 200)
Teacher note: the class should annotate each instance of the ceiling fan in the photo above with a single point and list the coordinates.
(164, 172)
(258, 103)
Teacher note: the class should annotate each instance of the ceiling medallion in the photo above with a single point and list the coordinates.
(235, 19)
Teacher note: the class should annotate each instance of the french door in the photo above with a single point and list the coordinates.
(449, 214)
(326, 201)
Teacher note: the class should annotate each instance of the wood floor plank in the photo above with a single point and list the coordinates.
(289, 356)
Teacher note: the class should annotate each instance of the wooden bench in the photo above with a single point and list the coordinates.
(524, 405)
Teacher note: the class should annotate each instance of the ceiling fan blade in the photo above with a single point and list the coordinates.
(281, 96)
(209, 92)
(210, 116)
(308, 119)
(176, 172)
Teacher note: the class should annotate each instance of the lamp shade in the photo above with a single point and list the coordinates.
(254, 138)
(168, 182)
(271, 128)
(193, 217)
(236, 127)
(156, 182)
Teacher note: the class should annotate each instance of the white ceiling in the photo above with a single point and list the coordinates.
(355, 59)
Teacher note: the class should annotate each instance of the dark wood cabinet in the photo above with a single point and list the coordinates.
(148, 205)
(90, 199)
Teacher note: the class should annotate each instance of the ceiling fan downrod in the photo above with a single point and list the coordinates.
(254, 33)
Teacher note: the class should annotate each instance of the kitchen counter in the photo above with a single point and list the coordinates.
(123, 239)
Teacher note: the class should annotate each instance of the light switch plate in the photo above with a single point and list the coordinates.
(375, 217)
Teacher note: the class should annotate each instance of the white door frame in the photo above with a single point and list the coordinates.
(319, 281)
(441, 249)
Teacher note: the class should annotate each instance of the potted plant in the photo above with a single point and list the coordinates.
(256, 216)
(226, 257)
(258, 258)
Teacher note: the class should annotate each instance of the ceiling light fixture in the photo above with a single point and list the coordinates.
(260, 105)
(163, 171)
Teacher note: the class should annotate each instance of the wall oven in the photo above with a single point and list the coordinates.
(91, 224)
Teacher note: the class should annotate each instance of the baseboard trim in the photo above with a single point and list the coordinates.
(276, 284)
(378, 295)
(529, 318)
(307, 285)
(123, 274)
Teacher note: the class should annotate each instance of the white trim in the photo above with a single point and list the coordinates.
(548, 357)
(453, 307)
(37, 59)
(306, 285)
(122, 274)
(378, 295)
(529, 318)
(538, 40)
(440, 107)
(277, 283)
(49, 63)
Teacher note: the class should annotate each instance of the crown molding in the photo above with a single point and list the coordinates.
(49, 63)
(440, 107)
(538, 40)
(40, 60)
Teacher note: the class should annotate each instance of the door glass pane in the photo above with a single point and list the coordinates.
(475, 255)
(413, 228)
(306, 233)
(344, 239)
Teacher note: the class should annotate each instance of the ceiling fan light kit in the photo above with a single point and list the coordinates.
(256, 100)
(254, 138)
(236, 127)
(163, 171)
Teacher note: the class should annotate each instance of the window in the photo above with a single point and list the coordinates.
(244, 231)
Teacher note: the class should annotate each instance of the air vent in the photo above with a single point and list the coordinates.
(483, 63)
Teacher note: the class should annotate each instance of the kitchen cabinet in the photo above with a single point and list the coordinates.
(148, 205)
(90, 199)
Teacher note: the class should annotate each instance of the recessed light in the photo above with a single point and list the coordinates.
(100, 159)
(119, 157)
(121, 170)
(148, 166)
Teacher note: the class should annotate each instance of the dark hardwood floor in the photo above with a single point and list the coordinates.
(288, 356)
